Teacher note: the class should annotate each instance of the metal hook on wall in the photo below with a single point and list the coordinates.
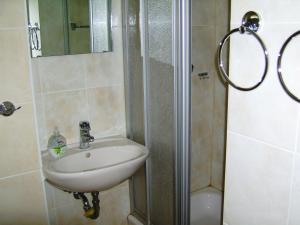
(34, 37)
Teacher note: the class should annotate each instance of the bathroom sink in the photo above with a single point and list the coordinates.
(105, 164)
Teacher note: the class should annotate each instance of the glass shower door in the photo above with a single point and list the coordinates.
(165, 76)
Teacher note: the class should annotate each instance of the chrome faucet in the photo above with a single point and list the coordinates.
(85, 137)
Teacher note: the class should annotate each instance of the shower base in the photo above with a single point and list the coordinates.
(206, 207)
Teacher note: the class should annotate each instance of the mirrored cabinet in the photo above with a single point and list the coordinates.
(67, 27)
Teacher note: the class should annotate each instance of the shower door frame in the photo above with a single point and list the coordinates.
(182, 73)
(181, 60)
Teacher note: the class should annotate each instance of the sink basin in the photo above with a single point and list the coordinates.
(105, 164)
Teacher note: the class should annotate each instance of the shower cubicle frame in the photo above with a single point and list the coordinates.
(182, 69)
(181, 44)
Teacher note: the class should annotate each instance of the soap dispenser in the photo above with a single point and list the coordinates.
(57, 144)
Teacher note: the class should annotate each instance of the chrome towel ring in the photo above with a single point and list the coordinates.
(279, 66)
(249, 25)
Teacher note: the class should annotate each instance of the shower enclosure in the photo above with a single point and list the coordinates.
(175, 104)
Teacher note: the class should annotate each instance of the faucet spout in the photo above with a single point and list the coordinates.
(85, 137)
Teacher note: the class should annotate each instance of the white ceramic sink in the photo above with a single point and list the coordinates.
(105, 164)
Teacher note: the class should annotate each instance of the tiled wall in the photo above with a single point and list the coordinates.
(263, 160)
(21, 190)
(209, 23)
(82, 87)
(90, 87)
(65, 210)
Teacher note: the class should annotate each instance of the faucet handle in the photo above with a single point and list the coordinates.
(84, 125)
(7, 108)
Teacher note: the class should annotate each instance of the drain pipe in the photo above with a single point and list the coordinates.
(89, 212)
(96, 205)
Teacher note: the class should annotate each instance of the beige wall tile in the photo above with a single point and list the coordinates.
(69, 214)
(114, 204)
(22, 200)
(202, 131)
(116, 13)
(18, 143)
(201, 162)
(217, 171)
(61, 198)
(21, 196)
(287, 16)
(223, 13)
(104, 70)
(12, 14)
(203, 12)
(52, 216)
(117, 36)
(41, 120)
(107, 111)
(294, 218)
(210, 21)
(72, 88)
(65, 111)
(49, 189)
(36, 75)
(266, 113)
(258, 179)
(203, 49)
(14, 66)
(218, 158)
(61, 73)
(219, 132)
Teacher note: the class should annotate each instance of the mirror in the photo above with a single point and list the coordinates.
(67, 27)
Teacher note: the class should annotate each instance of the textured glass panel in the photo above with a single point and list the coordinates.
(135, 104)
(161, 112)
(160, 103)
(135, 70)
(160, 30)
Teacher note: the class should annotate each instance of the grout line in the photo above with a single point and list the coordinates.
(291, 189)
(213, 103)
(20, 174)
(23, 103)
(13, 28)
(204, 26)
(35, 118)
(262, 142)
(79, 89)
(293, 168)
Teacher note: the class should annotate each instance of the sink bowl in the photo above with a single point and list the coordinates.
(105, 164)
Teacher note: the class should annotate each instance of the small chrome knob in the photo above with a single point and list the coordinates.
(7, 108)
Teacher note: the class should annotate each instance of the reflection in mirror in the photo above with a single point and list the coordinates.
(66, 27)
